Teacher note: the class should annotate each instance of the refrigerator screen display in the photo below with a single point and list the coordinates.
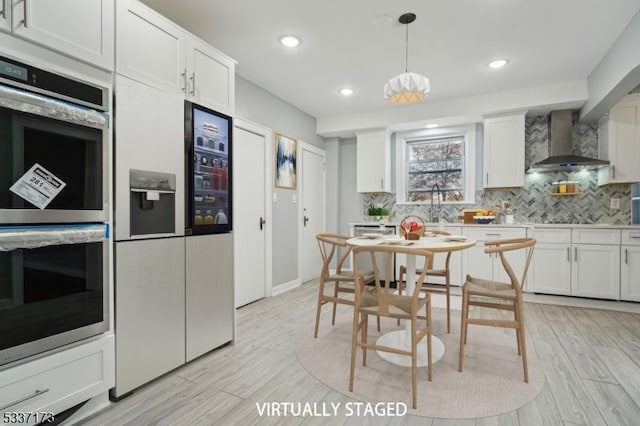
(210, 171)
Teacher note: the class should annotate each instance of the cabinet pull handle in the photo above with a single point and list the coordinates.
(492, 235)
(24, 398)
(568, 254)
(635, 237)
(193, 84)
(626, 256)
(575, 254)
(381, 183)
(184, 81)
(487, 178)
(613, 171)
(4, 9)
(24, 9)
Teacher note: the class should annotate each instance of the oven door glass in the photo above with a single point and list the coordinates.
(49, 292)
(71, 152)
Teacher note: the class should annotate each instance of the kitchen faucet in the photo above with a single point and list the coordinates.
(435, 187)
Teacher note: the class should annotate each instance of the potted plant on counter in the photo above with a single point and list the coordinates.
(378, 213)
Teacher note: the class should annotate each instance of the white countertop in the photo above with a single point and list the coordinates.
(513, 225)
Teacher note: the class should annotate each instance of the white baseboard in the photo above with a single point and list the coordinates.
(279, 289)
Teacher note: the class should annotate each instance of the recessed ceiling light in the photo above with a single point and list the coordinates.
(289, 41)
(347, 91)
(431, 125)
(498, 63)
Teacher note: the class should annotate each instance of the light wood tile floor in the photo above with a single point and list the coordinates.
(591, 360)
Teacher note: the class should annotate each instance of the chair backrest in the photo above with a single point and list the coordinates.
(505, 245)
(385, 254)
(328, 244)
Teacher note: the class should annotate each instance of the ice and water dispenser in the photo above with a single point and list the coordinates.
(152, 202)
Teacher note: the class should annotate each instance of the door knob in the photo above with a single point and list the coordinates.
(305, 220)
(261, 222)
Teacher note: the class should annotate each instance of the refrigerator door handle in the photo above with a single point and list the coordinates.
(261, 222)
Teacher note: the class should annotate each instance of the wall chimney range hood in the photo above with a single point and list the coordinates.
(561, 157)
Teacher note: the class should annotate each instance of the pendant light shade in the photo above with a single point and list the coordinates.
(408, 87)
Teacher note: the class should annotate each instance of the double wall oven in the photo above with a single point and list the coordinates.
(54, 180)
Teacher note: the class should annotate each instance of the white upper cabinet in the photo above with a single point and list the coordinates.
(150, 48)
(157, 52)
(211, 76)
(373, 161)
(619, 142)
(82, 29)
(5, 16)
(503, 158)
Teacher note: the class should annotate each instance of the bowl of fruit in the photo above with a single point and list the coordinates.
(484, 216)
(412, 227)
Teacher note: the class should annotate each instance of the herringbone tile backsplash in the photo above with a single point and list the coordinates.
(534, 202)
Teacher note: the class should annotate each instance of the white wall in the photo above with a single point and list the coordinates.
(259, 106)
(350, 204)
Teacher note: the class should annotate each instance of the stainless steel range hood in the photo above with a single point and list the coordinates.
(561, 155)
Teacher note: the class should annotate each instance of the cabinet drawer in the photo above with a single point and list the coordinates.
(595, 236)
(552, 235)
(493, 233)
(631, 237)
(59, 381)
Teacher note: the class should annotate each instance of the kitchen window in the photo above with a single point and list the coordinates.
(442, 158)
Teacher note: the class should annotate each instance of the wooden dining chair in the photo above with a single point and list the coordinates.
(434, 287)
(383, 302)
(490, 294)
(344, 281)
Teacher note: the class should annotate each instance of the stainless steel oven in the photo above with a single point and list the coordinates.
(53, 147)
(53, 287)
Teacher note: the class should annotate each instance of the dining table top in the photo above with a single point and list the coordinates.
(434, 243)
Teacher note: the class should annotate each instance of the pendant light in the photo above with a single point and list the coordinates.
(408, 87)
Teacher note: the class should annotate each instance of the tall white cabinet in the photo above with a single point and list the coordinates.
(82, 29)
(619, 142)
(503, 155)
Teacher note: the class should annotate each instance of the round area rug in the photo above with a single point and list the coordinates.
(491, 383)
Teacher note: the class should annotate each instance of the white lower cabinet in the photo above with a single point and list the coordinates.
(630, 266)
(477, 263)
(58, 382)
(576, 262)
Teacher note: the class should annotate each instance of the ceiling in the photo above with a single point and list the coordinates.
(360, 44)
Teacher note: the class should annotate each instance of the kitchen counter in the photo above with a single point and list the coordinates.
(511, 225)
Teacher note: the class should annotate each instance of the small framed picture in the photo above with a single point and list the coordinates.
(285, 170)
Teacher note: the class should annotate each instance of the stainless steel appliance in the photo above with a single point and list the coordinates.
(54, 137)
(53, 287)
(208, 168)
(635, 204)
(365, 262)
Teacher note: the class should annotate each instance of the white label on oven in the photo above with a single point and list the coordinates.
(38, 186)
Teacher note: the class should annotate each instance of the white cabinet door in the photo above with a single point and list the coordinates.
(503, 156)
(150, 48)
(209, 293)
(5, 15)
(595, 271)
(373, 161)
(550, 269)
(477, 263)
(621, 137)
(82, 29)
(150, 310)
(210, 74)
(630, 273)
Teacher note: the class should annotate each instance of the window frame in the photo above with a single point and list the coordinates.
(466, 132)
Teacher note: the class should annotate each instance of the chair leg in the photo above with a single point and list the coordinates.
(414, 360)
(354, 338)
(517, 319)
(429, 351)
(378, 321)
(463, 327)
(523, 345)
(335, 304)
(365, 329)
(448, 291)
(319, 308)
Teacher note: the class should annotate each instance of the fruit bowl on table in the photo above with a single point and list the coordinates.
(484, 219)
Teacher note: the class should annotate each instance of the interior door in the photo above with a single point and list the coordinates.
(313, 210)
(249, 212)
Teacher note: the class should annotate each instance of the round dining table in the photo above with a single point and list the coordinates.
(401, 339)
